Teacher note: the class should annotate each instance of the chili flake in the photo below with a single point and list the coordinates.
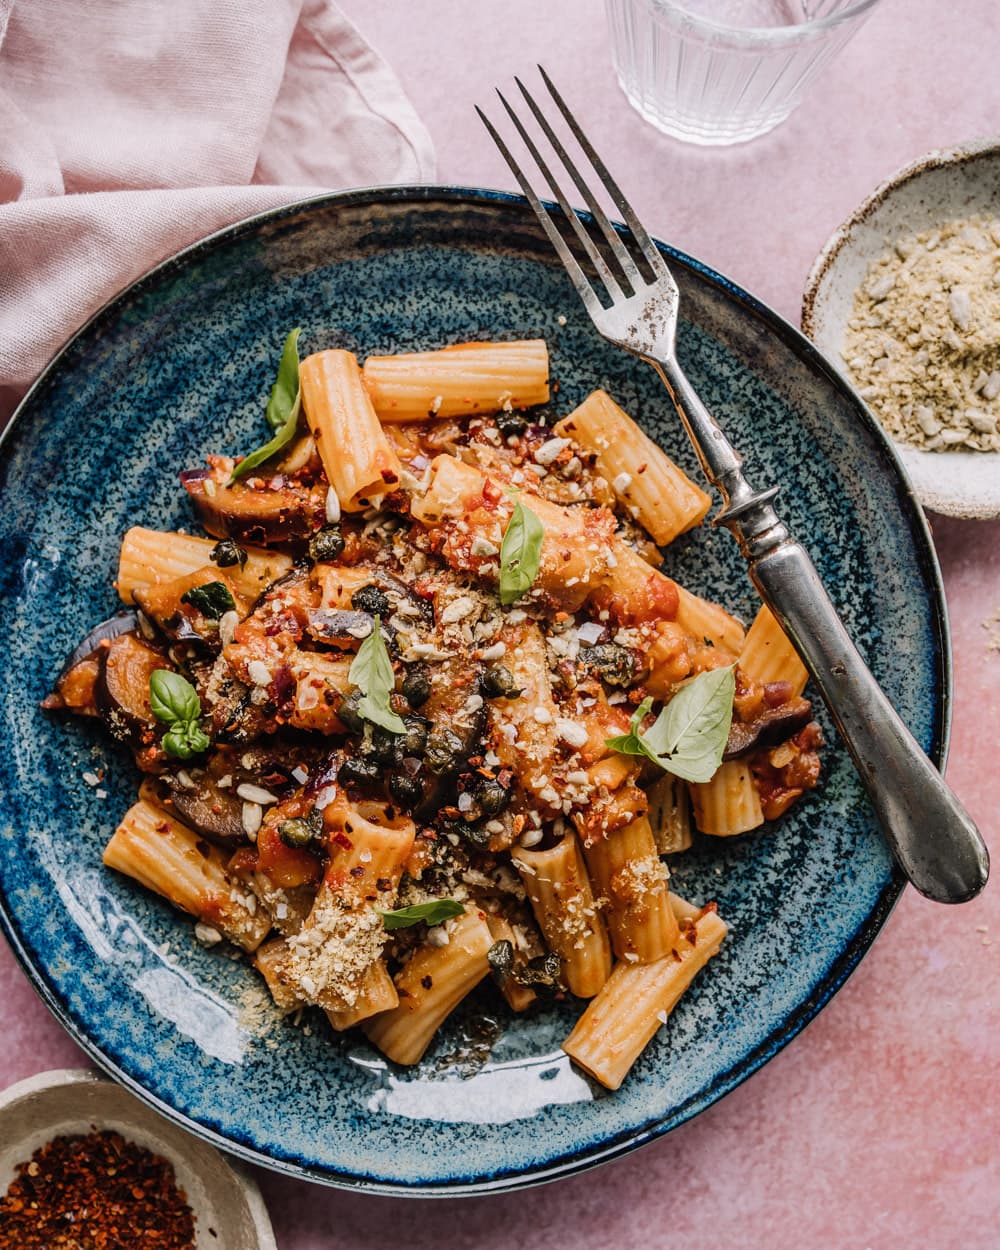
(98, 1191)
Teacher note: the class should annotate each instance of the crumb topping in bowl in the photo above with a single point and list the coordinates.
(923, 340)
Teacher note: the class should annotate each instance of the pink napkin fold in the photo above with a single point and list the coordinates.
(128, 130)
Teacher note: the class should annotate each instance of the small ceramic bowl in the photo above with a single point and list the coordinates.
(939, 187)
(221, 1194)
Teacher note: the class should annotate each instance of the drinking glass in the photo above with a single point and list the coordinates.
(724, 71)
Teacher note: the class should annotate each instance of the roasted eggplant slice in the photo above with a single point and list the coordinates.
(339, 628)
(75, 687)
(265, 515)
(121, 692)
(768, 729)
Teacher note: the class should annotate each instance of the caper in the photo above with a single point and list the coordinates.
(413, 742)
(614, 664)
(478, 835)
(360, 771)
(499, 682)
(226, 553)
(327, 543)
(301, 830)
(347, 711)
(371, 600)
(385, 745)
(406, 790)
(443, 751)
(511, 423)
(491, 797)
(416, 686)
(543, 971)
(500, 958)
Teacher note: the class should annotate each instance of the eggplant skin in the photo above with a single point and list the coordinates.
(773, 726)
(252, 516)
(121, 692)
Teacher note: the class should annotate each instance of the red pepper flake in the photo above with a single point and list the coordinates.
(358, 871)
(98, 1191)
(343, 840)
(383, 884)
(427, 981)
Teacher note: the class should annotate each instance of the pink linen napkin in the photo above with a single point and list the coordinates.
(128, 130)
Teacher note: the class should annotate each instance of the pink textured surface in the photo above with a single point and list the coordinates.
(878, 1126)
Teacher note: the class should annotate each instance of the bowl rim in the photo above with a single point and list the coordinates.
(49, 1082)
(854, 948)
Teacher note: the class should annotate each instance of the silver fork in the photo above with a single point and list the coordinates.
(933, 838)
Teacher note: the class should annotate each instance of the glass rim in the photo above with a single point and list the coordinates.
(762, 34)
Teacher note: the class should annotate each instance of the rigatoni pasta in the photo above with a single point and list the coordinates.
(360, 464)
(424, 712)
(659, 495)
(458, 381)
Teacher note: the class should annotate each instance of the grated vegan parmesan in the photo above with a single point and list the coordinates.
(923, 341)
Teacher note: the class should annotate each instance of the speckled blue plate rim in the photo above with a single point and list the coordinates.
(614, 1146)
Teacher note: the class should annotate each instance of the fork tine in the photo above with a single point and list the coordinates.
(597, 260)
(579, 278)
(649, 249)
(610, 233)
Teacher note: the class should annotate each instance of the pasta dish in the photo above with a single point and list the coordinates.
(422, 709)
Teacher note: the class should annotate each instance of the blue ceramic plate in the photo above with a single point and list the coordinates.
(176, 367)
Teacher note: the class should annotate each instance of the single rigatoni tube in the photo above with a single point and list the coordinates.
(518, 997)
(378, 993)
(430, 987)
(626, 870)
(729, 803)
(157, 850)
(767, 655)
(460, 380)
(360, 465)
(343, 935)
(148, 557)
(620, 1022)
(704, 620)
(669, 814)
(659, 495)
(528, 748)
(558, 886)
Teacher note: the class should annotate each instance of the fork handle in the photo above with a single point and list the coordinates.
(933, 838)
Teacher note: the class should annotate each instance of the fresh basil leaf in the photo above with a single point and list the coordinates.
(431, 913)
(185, 740)
(172, 697)
(371, 671)
(689, 736)
(286, 386)
(282, 410)
(212, 600)
(520, 553)
(632, 743)
(283, 437)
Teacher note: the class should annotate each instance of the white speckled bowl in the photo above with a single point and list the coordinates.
(222, 1195)
(938, 187)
